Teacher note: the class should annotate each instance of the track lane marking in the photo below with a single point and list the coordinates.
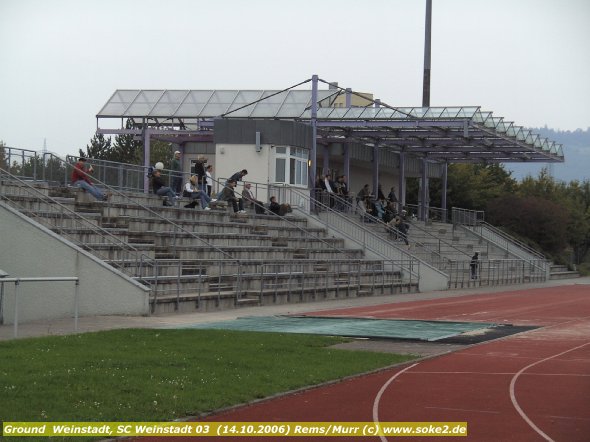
(513, 395)
(380, 393)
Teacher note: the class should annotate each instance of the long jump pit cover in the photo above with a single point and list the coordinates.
(350, 327)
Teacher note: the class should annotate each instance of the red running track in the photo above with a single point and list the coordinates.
(534, 386)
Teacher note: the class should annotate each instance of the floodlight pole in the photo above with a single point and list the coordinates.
(314, 130)
(427, 38)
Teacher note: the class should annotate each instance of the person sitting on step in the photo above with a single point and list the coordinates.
(80, 179)
(162, 190)
(192, 191)
(228, 194)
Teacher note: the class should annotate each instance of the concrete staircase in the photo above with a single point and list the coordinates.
(562, 272)
(196, 260)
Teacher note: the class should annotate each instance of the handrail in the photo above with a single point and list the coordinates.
(510, 239)
(292, 224)
(392, 230)
(144, 259)
(325, 208)
(63, 208)
(467, 216)
(17, 282)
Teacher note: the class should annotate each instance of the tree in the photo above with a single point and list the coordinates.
(126, 148)
(3, 161)
(100, 148)
(160, 151)
(471, 186)
(541, 220)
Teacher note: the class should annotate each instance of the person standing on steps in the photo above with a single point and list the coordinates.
(176, 167)
(474, 265)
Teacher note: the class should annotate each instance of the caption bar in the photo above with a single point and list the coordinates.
(230, 429)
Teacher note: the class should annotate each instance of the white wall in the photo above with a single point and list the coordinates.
(28, 249)
(231, 158)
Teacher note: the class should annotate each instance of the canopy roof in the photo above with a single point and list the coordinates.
(453, 134)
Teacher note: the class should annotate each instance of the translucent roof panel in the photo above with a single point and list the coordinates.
(211, 103)
(444, 130)
(168, 103)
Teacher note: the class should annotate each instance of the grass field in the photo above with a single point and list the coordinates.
(153, 375)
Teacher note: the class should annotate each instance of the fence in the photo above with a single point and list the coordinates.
(18, 281)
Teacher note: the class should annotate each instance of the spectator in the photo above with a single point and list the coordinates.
(402, 226)
(279, 209)
(380, 206)
(192, 191)
(274, 207)
(367, 209)
(161, 190)
(391, 197)
(238, 176)
(474, 265)
(249, 198)
(209, 179)
(228, 194)
(363, 193)
(200, 171)
(380, 194)
(176, 168)
(80, 179)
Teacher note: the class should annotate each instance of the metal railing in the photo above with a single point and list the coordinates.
(467, 217)
(356, 233)
(62, 219)
(140, 266)
(434, 213)
(432, 255)
(495, 272)
(29, 165)
(505, 241)
(18, 281)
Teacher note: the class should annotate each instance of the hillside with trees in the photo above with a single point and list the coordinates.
(576, 147)
(551, 215)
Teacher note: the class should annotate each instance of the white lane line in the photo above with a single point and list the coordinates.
(462, 409)
(378, 397)
(513, 395)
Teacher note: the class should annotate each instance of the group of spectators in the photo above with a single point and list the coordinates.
(200, 184)
(371, 207)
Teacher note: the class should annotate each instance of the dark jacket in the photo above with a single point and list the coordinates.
(157, 183)
(228, 194)
(274, 207)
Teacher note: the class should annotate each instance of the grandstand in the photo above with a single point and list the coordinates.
(135, 256)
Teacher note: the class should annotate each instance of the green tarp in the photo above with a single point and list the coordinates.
(354, 327)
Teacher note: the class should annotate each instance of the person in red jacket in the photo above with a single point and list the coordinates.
(80, 179)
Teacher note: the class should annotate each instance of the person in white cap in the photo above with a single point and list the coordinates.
(176, 168)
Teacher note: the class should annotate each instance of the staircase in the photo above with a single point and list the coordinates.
(195, 260)
(562, 272)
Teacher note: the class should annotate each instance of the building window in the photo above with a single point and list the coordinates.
(296, 171)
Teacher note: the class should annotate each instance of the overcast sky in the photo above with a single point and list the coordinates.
(525, 60)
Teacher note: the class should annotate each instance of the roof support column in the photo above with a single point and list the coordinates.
(443, 202)
(424, 195)
(402, 181)
(376, 159)
(375, 167)
(146, 157)
(346, 171)
(326, 160)
(314, 130)
(427, 38)
(346, 144)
